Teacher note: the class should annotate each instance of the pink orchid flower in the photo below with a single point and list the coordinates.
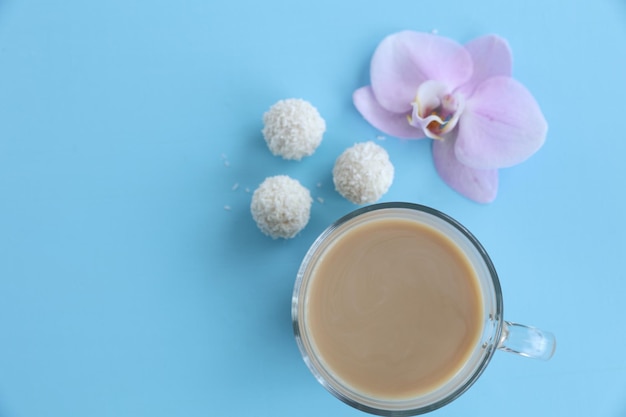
(463, 97)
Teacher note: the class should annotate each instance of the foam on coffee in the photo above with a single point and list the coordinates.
(393, 308)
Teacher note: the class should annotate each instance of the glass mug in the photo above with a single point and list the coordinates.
(397, 310)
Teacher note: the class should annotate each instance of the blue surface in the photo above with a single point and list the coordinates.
(126, 288)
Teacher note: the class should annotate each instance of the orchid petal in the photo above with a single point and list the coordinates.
(394, 124)
(492, 57)
(406, 59)
(480, 185)
(502, 125)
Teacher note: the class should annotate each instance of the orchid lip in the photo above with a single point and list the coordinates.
(435, 110)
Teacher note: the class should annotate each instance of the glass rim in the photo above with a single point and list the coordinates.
(478, 369)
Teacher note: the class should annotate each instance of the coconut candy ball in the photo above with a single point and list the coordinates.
(363, 173)
(281, 207)
(293, 128)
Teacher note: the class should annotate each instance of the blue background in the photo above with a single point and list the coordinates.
(127, 288)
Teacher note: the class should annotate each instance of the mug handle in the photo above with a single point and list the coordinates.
(527, 341)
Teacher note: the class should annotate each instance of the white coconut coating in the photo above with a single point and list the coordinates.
(281, 207)
(293, 128)
(363, 173)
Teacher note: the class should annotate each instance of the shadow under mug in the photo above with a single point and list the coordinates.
(495, 334)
